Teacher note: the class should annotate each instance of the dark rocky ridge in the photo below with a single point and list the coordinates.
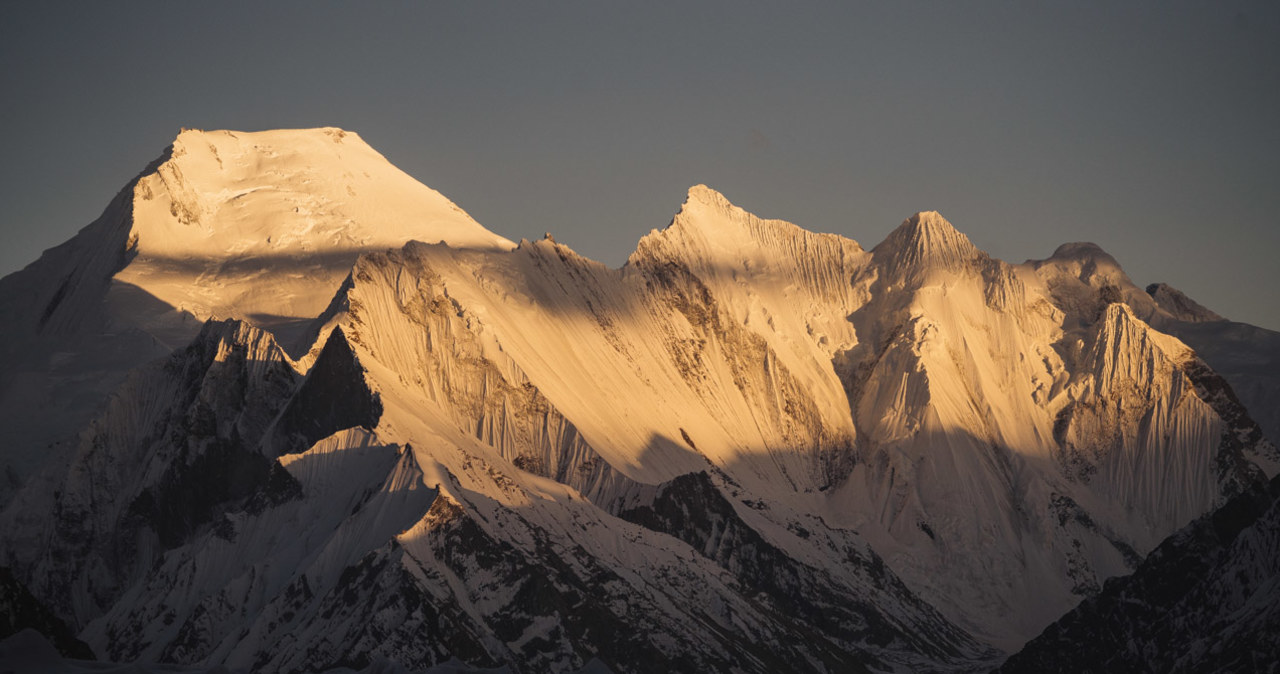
(1206, 600)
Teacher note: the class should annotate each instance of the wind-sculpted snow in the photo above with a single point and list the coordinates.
(1136, 430)
(752, 447)
(1082, 279)
(925, 243)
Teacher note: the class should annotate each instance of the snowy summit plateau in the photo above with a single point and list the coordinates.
(283, 408)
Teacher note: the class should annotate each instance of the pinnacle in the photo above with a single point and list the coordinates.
(926, 238)
(705, 195)
(703, 209)
(931, 225)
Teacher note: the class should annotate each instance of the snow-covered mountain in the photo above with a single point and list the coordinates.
(1206, 600)
(283, 407)
(261, 226)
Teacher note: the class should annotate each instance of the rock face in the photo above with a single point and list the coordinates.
(349, 424)
(20, 610)
(1206, 600)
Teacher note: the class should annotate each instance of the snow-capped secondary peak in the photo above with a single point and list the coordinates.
(1179, 305)
(1083, 278)
(725, 244)
(1080, 250)
(1088, 257)
(701, 194)
(925, 241)
(708, 212)
(706, 224)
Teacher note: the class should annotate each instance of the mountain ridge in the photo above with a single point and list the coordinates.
(958, 447)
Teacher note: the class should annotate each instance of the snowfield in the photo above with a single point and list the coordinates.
(282, 407)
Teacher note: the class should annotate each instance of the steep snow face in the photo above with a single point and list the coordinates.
(1158, 467)
(934, 399)
(1082, 279)
(747, 434)
(261, 227)
(976, 387)
(656, 375)
(923, 243)
(956, 382)
(789, 286)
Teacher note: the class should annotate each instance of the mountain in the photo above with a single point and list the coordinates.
(261, 226)
(322, 417)
(1206, 600)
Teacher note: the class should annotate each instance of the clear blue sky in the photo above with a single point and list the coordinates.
(1150, 128)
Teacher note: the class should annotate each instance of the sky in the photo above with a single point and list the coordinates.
(1152, 129)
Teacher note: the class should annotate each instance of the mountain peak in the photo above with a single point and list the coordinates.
(271, 137)
(1091, 264)
(226, 191)
(1182, 307)
(1082, 251)
(701, 194)
(926, 239)
(708, 211)
(225, 214)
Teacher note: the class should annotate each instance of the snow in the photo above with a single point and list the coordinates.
(257, 226)
(285, 214)
(720, 339)
(1004, 436)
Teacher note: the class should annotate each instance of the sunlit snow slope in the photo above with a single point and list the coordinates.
(752, 446)
(259, 226)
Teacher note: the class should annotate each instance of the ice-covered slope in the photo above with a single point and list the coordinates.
(990, 444)
(261, 227)
(1246, 356)
(950, 407)
(748, 433)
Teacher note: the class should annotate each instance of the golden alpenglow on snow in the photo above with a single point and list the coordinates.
(284, 408)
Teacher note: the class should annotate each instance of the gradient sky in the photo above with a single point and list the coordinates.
(1150, 128)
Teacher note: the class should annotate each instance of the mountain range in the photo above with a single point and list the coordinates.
(283, 408)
